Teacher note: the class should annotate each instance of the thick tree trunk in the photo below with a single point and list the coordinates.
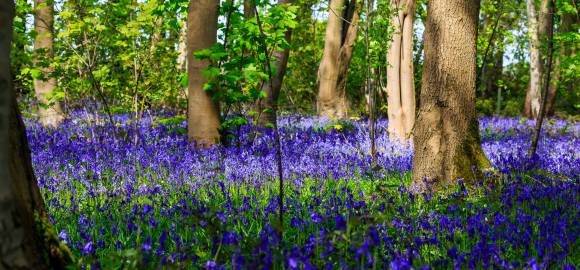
(49, 111)
(203, 121)
(400, 78)
(266, 106)
(27, 238)
(341, 32)
(446, 138)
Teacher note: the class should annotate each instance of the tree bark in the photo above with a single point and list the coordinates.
(203, 121)
(49, 111)
(547, 13)
(27, 238)
(341, 32)
(248, 9)
(446, 139)
(182, 57)
(266, 106)
(537, 28)
(400, 74)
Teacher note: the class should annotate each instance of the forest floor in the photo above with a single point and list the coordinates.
(146, 199)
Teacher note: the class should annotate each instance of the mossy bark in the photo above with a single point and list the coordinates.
(27, 239)
(469, 159)
(446, 137)
(56, 254)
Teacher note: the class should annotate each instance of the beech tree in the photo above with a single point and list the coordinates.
(49, 111)
(27, 238)
(537, 28)
(203, 121)
(400, 78)
(446, 139)
(341, 32)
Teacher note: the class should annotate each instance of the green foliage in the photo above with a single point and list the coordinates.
(380, 34)
(123, 56)
(20, 54)
(119, 54)
(300, 84)
(239, 62)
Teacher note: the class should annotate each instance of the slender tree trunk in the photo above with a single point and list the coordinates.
(49, 111)
(27, 238)
(158, 33)
(400, 74)
(547, 12)
(203, 121)
(182, 56)
(266, 106)
(248, 9)
(537, 28)
(341, 32)
(446, 138)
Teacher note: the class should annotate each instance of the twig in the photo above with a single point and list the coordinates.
(276, 132)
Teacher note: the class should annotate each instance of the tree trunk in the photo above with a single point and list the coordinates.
(248, 9)
(49, 111)
(27, 238)
(266, 106)
(400, 75)
(536, 31)
(182, 57)
(203, 121)
(341, 32)
(446, 138)
(158, 33)
(547, 13)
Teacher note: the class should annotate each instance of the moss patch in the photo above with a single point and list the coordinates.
(469, 158)
(56, 254)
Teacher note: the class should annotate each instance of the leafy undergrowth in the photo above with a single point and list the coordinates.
(148, 200)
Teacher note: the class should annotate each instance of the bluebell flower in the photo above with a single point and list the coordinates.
(62, 236)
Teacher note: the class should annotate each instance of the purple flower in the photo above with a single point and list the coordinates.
(88, 249)
(62, 236)
(210, 264)
(221, 216)
(147, 245)
(292, 263)
(315, 217)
